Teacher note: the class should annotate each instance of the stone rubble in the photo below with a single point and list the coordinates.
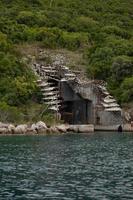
(41, 128)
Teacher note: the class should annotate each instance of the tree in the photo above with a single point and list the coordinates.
(4, 45)
(127, 90)
(122, 67)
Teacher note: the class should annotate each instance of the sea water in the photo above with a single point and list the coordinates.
(98, 166)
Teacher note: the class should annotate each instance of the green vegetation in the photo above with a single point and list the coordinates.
(101, 29)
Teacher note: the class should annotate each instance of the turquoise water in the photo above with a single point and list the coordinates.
(68, 167)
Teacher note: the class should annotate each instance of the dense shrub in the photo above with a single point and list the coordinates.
(101, 29)
(127, 90)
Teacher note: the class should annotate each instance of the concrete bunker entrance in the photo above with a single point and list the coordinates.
(75, 109)
(76, 112)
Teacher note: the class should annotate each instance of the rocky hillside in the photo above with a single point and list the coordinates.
(100, 30)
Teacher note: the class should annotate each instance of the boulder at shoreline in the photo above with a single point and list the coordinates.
(41, 128)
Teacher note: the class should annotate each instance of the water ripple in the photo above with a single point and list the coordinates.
(79, 167)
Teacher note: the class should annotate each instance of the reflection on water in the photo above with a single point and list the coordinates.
(68, 167)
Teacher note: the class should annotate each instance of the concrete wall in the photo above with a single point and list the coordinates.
(67, 93)
(97, 116)
(86, 106)
(90, 114)
(109, 118)
(87, 92)
(80, 113)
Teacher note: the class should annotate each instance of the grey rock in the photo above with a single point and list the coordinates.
(21, 129)
(73, 128)
(11, 128)
(62, 128)
(39, 128)
(3, 125)
(41, 125)
(31, 131)
(53, 130)
(4, 131)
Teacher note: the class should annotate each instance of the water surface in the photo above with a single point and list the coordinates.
(68, 167)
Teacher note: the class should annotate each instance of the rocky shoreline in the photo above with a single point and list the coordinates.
(41, 128)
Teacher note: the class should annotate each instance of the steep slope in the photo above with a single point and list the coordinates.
(102, 30)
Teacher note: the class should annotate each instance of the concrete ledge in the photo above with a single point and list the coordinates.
(106, 128)
(125, 128)
(128, 128)
(89, 128)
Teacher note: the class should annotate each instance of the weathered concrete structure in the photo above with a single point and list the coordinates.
(77, 101)
(87, 103)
